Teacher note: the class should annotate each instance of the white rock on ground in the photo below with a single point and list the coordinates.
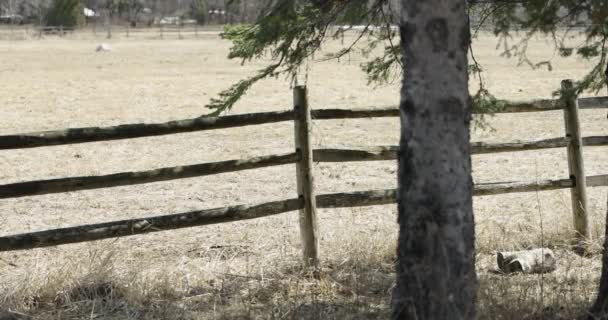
(539, 260)
(104, 47)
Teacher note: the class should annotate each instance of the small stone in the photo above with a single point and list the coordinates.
(539, 260)
(104, 47)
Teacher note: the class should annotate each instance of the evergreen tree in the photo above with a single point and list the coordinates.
(436, 249)
(557, 19)
(199, 11)
(291, 31)
(436, 224)
(67, 13)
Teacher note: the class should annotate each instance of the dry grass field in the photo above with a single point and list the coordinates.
(251, 270)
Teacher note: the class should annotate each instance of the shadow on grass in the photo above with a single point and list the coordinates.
(533, 297)
(345, 290)
(355, 288)
(351, 290)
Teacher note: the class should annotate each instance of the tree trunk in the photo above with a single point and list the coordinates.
(599, 310)
(606, 76)
(435, 256)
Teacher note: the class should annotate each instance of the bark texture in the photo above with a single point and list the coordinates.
(599, 310)
(436, 262)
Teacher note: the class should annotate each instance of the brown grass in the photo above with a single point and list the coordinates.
(250, 270)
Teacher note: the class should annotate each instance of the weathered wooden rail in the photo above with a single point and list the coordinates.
(61, 185)
(244, 212)
(140, 130)
(304, 156)
(59, 30)
(378, 153)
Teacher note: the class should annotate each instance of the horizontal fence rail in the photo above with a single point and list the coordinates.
(376, 153)
(593, 103)
(389, 196)
(327, 114)
(123, 228)
(486, 189)
(128, 131)
(510, 107)
(483, 148)
(552, 105)
(130, 227)
(61, 185)
(379, 153)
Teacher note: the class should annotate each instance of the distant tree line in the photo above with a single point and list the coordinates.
(72, 12)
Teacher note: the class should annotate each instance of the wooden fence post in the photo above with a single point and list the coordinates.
(304, 167)
(109, 30)
(576, 164)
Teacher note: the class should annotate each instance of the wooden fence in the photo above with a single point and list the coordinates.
(160, 31)
(307, 201)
